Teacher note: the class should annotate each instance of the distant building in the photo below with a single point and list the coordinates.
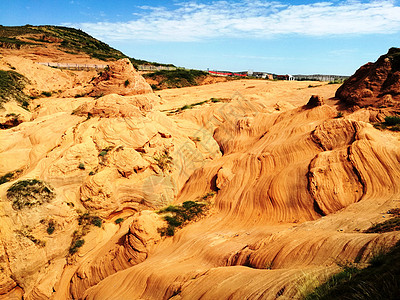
(249, 73)
(264, 75)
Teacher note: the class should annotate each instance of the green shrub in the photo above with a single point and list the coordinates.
(392, 224)
(339, 114)
(76, 245)
(163, 160)
(103, 153)
(322, 291)
(46, 94)
(96, 221)
(29, 193)
(208, 196)
(51, 227)
(12, 87)
(7, 177)
(85, 221)
(126, 83)
(177, 216)
(177, 78)
(80, 95)
(119, 220)
(190, 106)
(392, 120)
(27, 233)
(81, 166)
(380, 280)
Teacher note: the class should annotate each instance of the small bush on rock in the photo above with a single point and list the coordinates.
(29, 193)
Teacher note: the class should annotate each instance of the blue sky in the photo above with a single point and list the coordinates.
(294, 37)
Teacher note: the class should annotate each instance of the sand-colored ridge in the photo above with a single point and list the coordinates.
(235, 209)
(292, 188)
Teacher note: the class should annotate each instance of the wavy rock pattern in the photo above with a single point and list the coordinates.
(288, 168)
(294, 187)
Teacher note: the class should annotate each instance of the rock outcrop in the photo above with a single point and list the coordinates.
(315, 101)
(120, 78)
(374, 84)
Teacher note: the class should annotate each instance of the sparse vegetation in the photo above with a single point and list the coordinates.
(96, 221)
(268, 265)
(380, 280)
(51, 227)
(337, 81)
(80, 95)
(177, 216)
(11, 88)
(29, 193)
(392, 224)
(46, 94)
(163, 160)
(85, 221)
(98, 96)
(105, 151)
(314, 85)
(11, 121)
(391, 122)
(339, 115)
(356, 283)
(76, 245)
(71, 40)
(9, 176)
(321, 292)
(208, 196)
(26, 232)
(176, 78)
(136, 62)
(190, 106)
(119, 220)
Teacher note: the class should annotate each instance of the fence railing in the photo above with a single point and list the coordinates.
(70, 66)
(154, 68)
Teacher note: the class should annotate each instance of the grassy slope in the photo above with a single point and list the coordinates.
(176, 78)
(381, 280)
(70, 40)
(73, 41)
(11, 87)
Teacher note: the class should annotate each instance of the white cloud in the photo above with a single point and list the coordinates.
(192, 21)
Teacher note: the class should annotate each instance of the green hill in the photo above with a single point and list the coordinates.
(67, 39)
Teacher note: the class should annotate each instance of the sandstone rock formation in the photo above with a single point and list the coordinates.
(374, 84)
(314, 101)
(120, 78)
(289, 189)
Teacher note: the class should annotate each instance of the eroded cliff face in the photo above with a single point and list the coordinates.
(374, 84)
(289, 187)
